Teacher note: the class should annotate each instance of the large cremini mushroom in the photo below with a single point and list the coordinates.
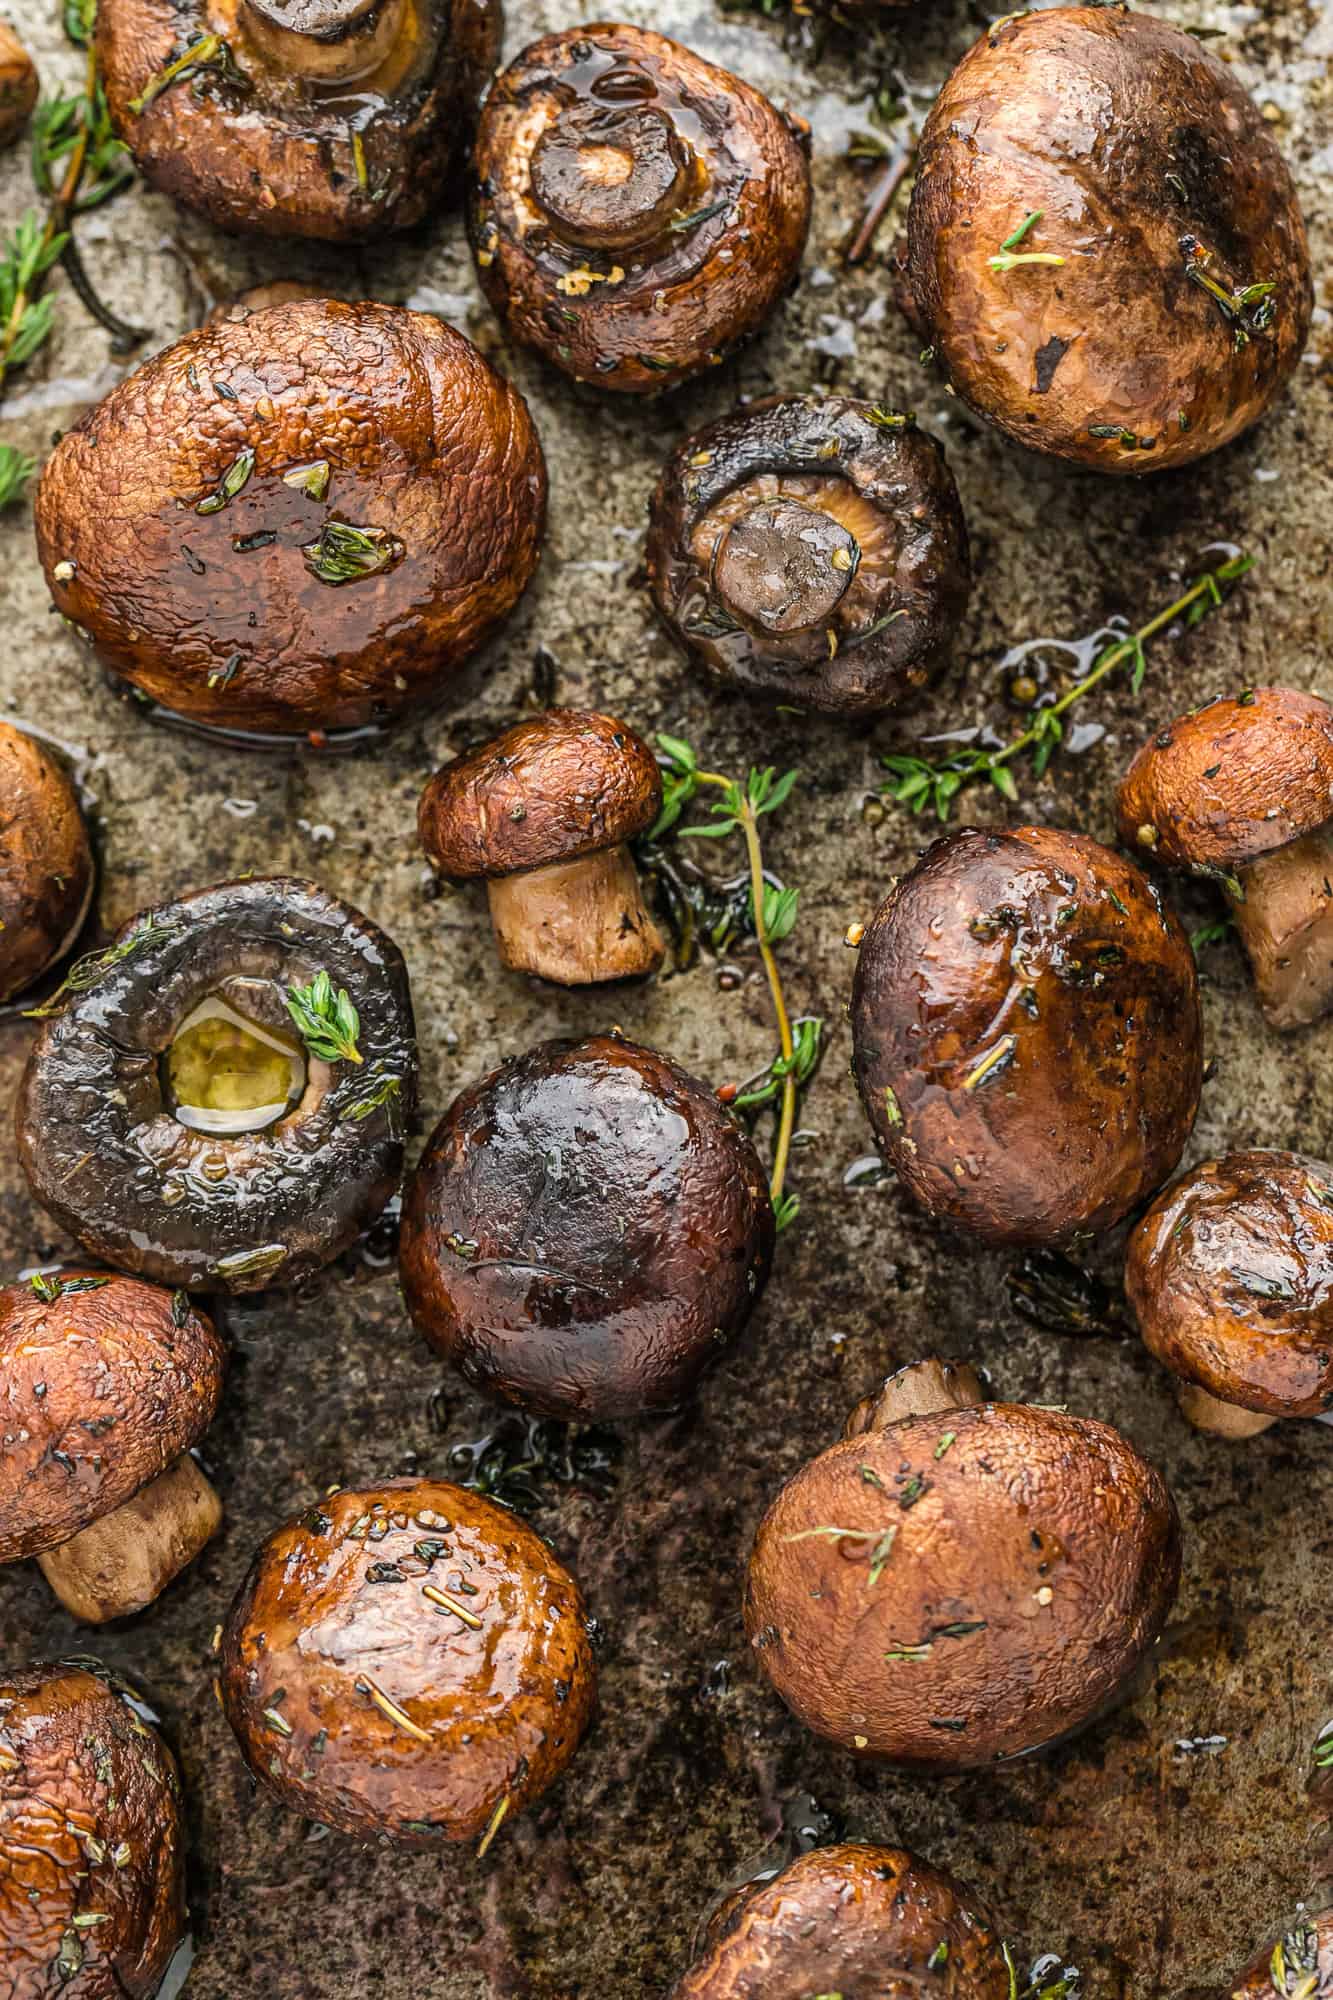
(305, 520)
(543, 814)
(586, 1230)
(1026, 1032)
(954, 1584)
(46, 862)
(1105, 248)
(637, 211)
(812, 549)
(409, 1661)
(220, 1098)
(1242, 790)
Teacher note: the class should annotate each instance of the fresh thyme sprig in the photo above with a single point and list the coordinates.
(205, 52)
(16, 469)
(328, 1023)
(342, 553)
(1008, 256)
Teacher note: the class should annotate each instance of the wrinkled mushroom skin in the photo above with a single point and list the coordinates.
(18, 86)
(1307, 1948)
(1027, 1038)
(336, 1607)
(46, 863)
(586, 1231)
(90, 1825)
(1145, 161)
(219, 615)
(637, 211)
(812, 550)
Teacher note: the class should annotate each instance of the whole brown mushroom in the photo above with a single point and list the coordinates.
(544, 814)
(46, 862)
(18, 85)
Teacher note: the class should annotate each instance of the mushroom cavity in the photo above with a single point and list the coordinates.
(637, 210)
(46, 863)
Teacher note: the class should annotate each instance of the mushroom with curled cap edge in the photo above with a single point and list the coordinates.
(544, 814)
(91, 1828)
(1027, 1038)
(966, 1582)
(1242, 790)
(586, 1231)
(1298, 1965)
(221, 1099)
(637, 211)
(300, 521)
(1104, 244)
(812, 549)
(408, 1660)
(46, 862)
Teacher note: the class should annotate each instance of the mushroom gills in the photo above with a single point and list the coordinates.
(1286, 925)
(227, 1073)
(578, 922)
(123, 1562)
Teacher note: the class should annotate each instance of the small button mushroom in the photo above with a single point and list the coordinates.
(1299, 1965)
(221, 1097)
(544, 813)
(944, 1589)
(18, 85)
(1242, 790)
(812, 549)
(1027, 1038)
(408, 1661)
(637, 210)
(93, 1840)
(586, 1230)
(301, 521)
(46, 863)
(1104, 244)
(105, 1383)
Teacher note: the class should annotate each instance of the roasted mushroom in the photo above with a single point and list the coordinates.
(1302, 1959)
(221, 1098)
(18, 85)
(409, 1661)
(945, 1588)
(1026, 1034)
(92, 1835)
(637, 211)
(46, 863)
(812, 549)
(257, 298)
(1242, 790)
(586, 1231)
(301, 521)
(1104, 244)
(335, 119)
(544, 814)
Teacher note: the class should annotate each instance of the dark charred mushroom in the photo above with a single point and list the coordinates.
(301, 521)
(1242, 790)
(813, 550)
(46, 863)
(409, 1661)
(1026, 1034)
(638, 211)
(586, 1231)
(543, 814)
(221, 1099)
(1104, 243)
(18, 85)
(1299, 1965)
(942, 1590)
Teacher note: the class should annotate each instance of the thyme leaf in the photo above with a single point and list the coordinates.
(343, 553)
(15, 471)
(205, 52)
(327, 1022)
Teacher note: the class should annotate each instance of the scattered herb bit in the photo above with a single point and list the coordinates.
(343, 553)
(1050, 1291)
(249, 1263)
(950, 1437)
(328, 1023)
(1213, 933)
(385, 1093)
(388, 1707)
(684, 222)
(524, 1457)
(312, 479)
(86, 972)
(16, 469)
(889, 420)
(1030, 220)
(230, 484)
(1248, 311)
(224, 675)
(206, 52)
(47, 1289)
(492, 1828)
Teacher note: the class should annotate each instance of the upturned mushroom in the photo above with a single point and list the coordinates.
(962, 1583)
(46, 862)
(18, 85)
(1242, 791)
(637, 211)
(544, 815)
(1027, 1038)
(812, 549)
(586, 1231)
(409, 1661)
(299, 522)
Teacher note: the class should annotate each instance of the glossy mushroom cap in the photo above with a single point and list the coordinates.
(813, 550)
(300, 521)
(1118, 145)
(1302, 1957)
(586, 1231)
(90, 1826)
(637, 210)
(46, 863)
(1026, 1030)
(405, 1661)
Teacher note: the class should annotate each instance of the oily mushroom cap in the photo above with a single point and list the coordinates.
(289, 429)
(1307, 1948)
(1027, 1038)
(18, 85)
(962, 1586)
(637, 210)
(91, 1840)
(46, 863)
(812, 549)
(404, 1659)
(103, 1152)
(586, 1230)
(1120, 144)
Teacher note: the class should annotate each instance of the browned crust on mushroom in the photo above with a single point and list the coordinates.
(46, 863)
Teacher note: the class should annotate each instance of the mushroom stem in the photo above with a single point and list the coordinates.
(576, 922)
(325, 41)
(125, 1560)
(785, 567)
(1286, 925)
(609, 178)
(918, 1390)
(1218, 1419)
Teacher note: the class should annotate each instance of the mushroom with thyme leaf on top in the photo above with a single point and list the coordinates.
(46, 862)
